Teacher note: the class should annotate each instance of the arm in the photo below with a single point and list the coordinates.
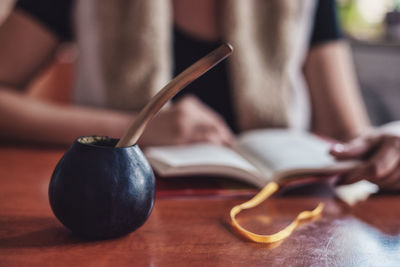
(339, 112)
(337, 106)
(27, 119)
(25, 48)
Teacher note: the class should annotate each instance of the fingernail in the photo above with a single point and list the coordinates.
(339, 148)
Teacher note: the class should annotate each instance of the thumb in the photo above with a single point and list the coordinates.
(354, 149)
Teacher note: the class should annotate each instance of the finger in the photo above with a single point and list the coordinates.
(355, 149)
(204, 133)
(390, 182)
(215, 138)
(219, 125)
(220, 134)
(354, 176)
(207, 135)
(381, 164)
(209, 120)
(225, 133)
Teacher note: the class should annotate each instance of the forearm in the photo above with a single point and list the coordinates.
(338, 108)
(27, 119)
(25, 48)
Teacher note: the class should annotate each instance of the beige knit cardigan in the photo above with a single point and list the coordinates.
(126, 56)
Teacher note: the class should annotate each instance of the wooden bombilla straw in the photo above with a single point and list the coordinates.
(204, 64)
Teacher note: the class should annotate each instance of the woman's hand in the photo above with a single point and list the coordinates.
(381, 153)
(186, 121)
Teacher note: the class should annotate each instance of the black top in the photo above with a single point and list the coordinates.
(213, 88)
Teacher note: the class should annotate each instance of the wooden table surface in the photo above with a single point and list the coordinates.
(190, 231)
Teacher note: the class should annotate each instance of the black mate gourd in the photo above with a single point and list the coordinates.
(100, 191)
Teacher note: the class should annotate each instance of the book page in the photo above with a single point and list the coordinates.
(279, 150)
(198, 154)
(202, 158)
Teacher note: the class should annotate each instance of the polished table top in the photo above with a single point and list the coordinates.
(193, 230)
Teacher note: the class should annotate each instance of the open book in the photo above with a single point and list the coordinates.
(257, 157)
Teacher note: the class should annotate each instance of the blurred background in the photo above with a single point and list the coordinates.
(371, 26)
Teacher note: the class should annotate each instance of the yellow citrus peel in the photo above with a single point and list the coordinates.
(266, 192)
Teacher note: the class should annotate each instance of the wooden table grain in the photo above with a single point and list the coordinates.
(190, 231)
